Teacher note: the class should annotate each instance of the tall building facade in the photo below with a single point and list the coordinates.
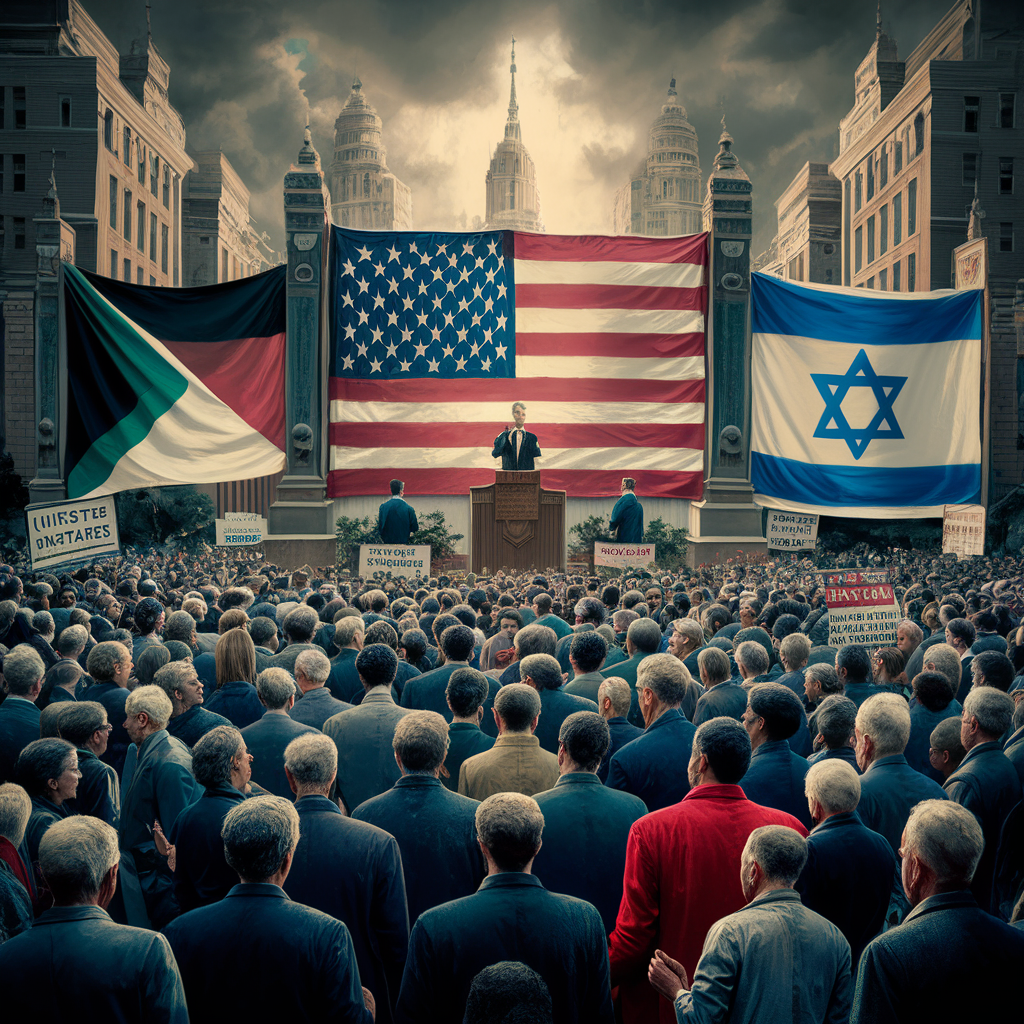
(664, 195)
(513, 199)
(220, 242)
(364, 193)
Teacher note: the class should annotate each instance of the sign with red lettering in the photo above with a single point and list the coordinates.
(862, 607)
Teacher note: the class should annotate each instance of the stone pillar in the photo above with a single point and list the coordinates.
(55, 241)
(301, 521)
(726, 519)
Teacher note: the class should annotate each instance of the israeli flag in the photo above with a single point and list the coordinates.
(865, 404)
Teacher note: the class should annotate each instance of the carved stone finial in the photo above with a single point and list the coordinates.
(308, 154)
(302, 443)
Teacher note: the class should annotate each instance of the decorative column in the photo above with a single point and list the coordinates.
(55, 241)
(301, 521)
(726, 520)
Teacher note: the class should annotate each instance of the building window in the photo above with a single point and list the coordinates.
(1006, 175)
(366, 182)
(138, 275)
(871, 240)
(167, 187)
(113, 264)
(223, 265)
(883, 280)
(972, 110)
(19, 233)
(858, 185)
(896, 268)
(154, 173)
(163, 247)
(108, 136)
(871, 177)
(65, 111)
(511, 195)
(113, 210)
(127, 225)
(19, 173)
(1006, 104)
(127, 275)
(152, 281)
(140, 227)
(127, 141)
(883, 230)
(911, 271)
(152, 236)
(883, 167)
(897, 158)
(912, 208)
(918, 134)
(897, 218)
(1005, 237)
(20, 109)
(143, 153)
(858, 249)
(871, 282)
(969, 174)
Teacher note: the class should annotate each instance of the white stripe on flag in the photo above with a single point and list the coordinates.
(534, 320)
(604, 368)
(652, 275)
(498, 412)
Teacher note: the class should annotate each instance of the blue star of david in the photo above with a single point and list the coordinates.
(834, 388)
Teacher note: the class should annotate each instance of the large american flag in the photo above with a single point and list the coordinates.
(435, 335)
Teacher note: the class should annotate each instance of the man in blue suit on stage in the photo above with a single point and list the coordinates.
(516, 446)
(397, 518)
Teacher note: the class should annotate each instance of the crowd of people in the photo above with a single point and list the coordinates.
(230, 788)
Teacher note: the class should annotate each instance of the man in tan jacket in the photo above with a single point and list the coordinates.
(516, 763)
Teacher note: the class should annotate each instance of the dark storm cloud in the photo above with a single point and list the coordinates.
(782, 72)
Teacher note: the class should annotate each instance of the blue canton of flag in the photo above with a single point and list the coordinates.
(433, 305)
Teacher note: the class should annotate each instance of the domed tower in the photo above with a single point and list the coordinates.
(664, 196)
(364, 193)
(513, 200)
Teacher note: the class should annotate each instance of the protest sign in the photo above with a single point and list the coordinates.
(963, 530)
(862, 607)
(791, 531)
(397, 559)
(623, 555)
(72, 531)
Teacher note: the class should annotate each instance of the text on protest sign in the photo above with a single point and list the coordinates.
(963, 530)
(233, 531)
(862, 607)
(623, 555)
(72, 531)
(791, 531)
(397, 559)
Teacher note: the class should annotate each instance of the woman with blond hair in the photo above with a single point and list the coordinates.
(235, 697)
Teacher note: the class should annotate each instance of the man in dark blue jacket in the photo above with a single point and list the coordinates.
(614, 697)
(314, 977)
(190, 721)
(544, 674)
(850, 871)
(580, 813)
(467, 694)
(110, 665)
(99, 791)
(434, 827)
(348, 869)
(653, 766)
(19, 716)
(396, 519)
(511, 917)
(628, 515)
(775, 777)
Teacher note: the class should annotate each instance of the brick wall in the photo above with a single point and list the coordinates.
(19, 382)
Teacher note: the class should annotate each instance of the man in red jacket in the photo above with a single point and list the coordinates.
(683, 868)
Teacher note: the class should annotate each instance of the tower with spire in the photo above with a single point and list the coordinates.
(663, 197)
(364, 192)
(513, 200)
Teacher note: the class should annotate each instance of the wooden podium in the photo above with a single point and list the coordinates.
(516, 524)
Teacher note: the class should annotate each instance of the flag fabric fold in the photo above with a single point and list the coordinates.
(172, 386)
(864, 404)
(435, 335)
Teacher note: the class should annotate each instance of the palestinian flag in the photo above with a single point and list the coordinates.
(172, 385)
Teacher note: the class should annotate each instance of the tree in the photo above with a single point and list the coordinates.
(670, 543)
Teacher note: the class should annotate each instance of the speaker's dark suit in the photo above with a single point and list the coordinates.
(505, 449)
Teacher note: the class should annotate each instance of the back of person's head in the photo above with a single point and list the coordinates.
(834, 784)
(510, 825)
(963, 630)
(644, 635)
(992, 708)
(586, 739)
(75, 856)
(666, 677)
(590, 609)
(347, 627)
(275, 686)
(713, 664)
(381, 632)
(995, 668)
(517, 706)
(457, 643)
(825, 676)
(543, 670)
(262, 629)
(857, 662)
(946, 737)
(23, 668)
(80, 720)
(780, 708)
(147, 614)
(312, 759)
(71, 640)
(179, 626)
(300, 625)
(15, 810)
(314, 665)
(508, 992)
(780, 852)
(214, 754)
(933, 690)
(752, 656)
(885, 717)
(467, 690)
(151, 701)
(784, 625)
(947, 838)
(258, 834)
(535, 639)
(726, 745)
(151, 660)
(946, 660)
(795, 649)
(835, 720)
(235, 657)
(377, 665)
(421, 741)
(588, 649)
(396, 486)
(619, 692)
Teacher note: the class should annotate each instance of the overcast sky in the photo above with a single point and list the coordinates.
(592, 75)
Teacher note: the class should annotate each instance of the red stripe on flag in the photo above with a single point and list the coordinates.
(507, 389)
(603, 296)
(612, 248)
(343, 483)
(549, 435)
(614, 346)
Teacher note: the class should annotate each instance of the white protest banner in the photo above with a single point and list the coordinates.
(963, 530)
(240, 533)
(397, 559)
(72, 531)
(623, 555)
(862, 607)
(791, 531)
